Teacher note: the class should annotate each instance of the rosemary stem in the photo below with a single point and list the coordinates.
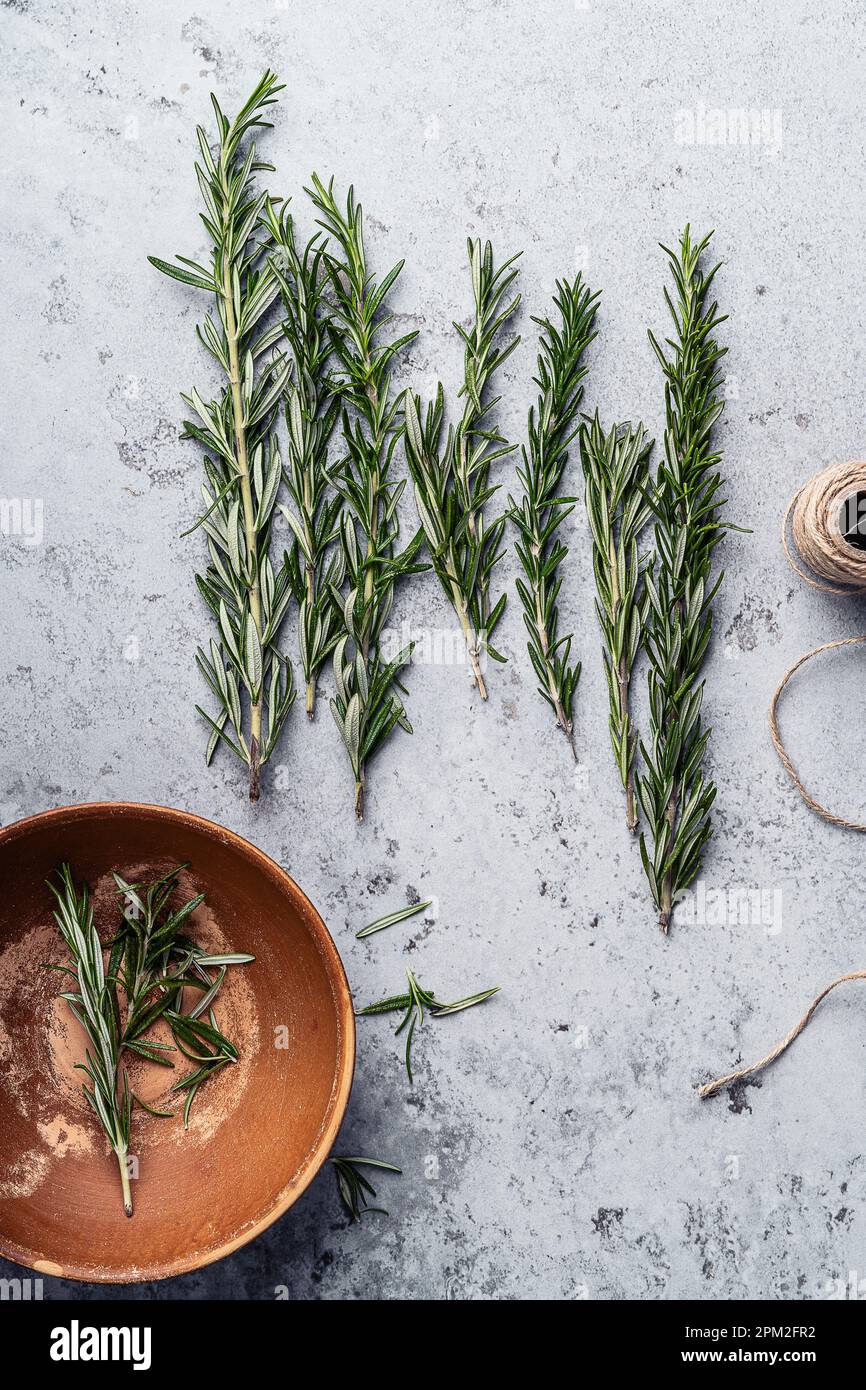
(369, 577)
(562, 718)
(124, 1180)
(470, 637)
(665, 905)
(630, 810)
(248, 509)
(311, 683)
(622, 681)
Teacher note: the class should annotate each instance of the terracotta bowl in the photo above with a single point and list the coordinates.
(259, 1130)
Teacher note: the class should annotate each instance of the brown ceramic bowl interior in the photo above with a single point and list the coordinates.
(259, 1130)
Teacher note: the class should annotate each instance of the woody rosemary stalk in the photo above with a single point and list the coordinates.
(616, 475)
(311, 409)
(452, 484)
(367, 705)
(247, 597)
(673, 793)
(541, 510)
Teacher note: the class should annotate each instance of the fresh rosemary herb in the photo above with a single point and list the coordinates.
(616, 472)
(542, 510)
(412, 1006)
(311, 409)
(674, 795)
(243, 469)
(392, 918)
(96, 1008)
(354, 1188)
(154, 962)
(452, 483)
(150, 963)
(367, 705)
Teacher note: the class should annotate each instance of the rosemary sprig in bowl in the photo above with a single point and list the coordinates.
(452, 481)
(150, 964)
(95, 1005)
(247, 596)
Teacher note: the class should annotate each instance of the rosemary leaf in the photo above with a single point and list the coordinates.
(354, 1188)
(392, 918)
(452, 481)
(412, 1006)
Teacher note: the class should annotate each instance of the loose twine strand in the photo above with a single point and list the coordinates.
(841, 568)
(712, 1087)
(811, 801)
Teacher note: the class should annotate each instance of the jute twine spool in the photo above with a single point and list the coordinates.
(828, 527)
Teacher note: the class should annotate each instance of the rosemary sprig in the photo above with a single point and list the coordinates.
(95, 1005)
(412, 1006)
(154, 962)
(367, 706)
(542, 510)
(354, 1188)
(616, 473)
(247, 597)
(392, 918)
(150, 963)
(452, 484)
(311, 410)
(673, 793)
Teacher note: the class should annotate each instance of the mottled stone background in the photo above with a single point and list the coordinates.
(552, 1145)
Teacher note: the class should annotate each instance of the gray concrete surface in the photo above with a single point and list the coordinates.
(552, 1145)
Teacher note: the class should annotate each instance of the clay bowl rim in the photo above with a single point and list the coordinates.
(342, 998)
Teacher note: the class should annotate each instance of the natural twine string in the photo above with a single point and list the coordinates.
(810, 800)
(841, 569)
(711, 1087)
(819, 540)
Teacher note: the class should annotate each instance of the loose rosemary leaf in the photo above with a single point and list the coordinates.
(452, 482)
(542, 509)
(367, 705)
(674, 795)
(354, 1188)
(412, 1006)
(616, 474)
(247, 596)
(392, 918)
(311, 410)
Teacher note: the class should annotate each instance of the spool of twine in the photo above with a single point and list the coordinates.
(828, 527)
